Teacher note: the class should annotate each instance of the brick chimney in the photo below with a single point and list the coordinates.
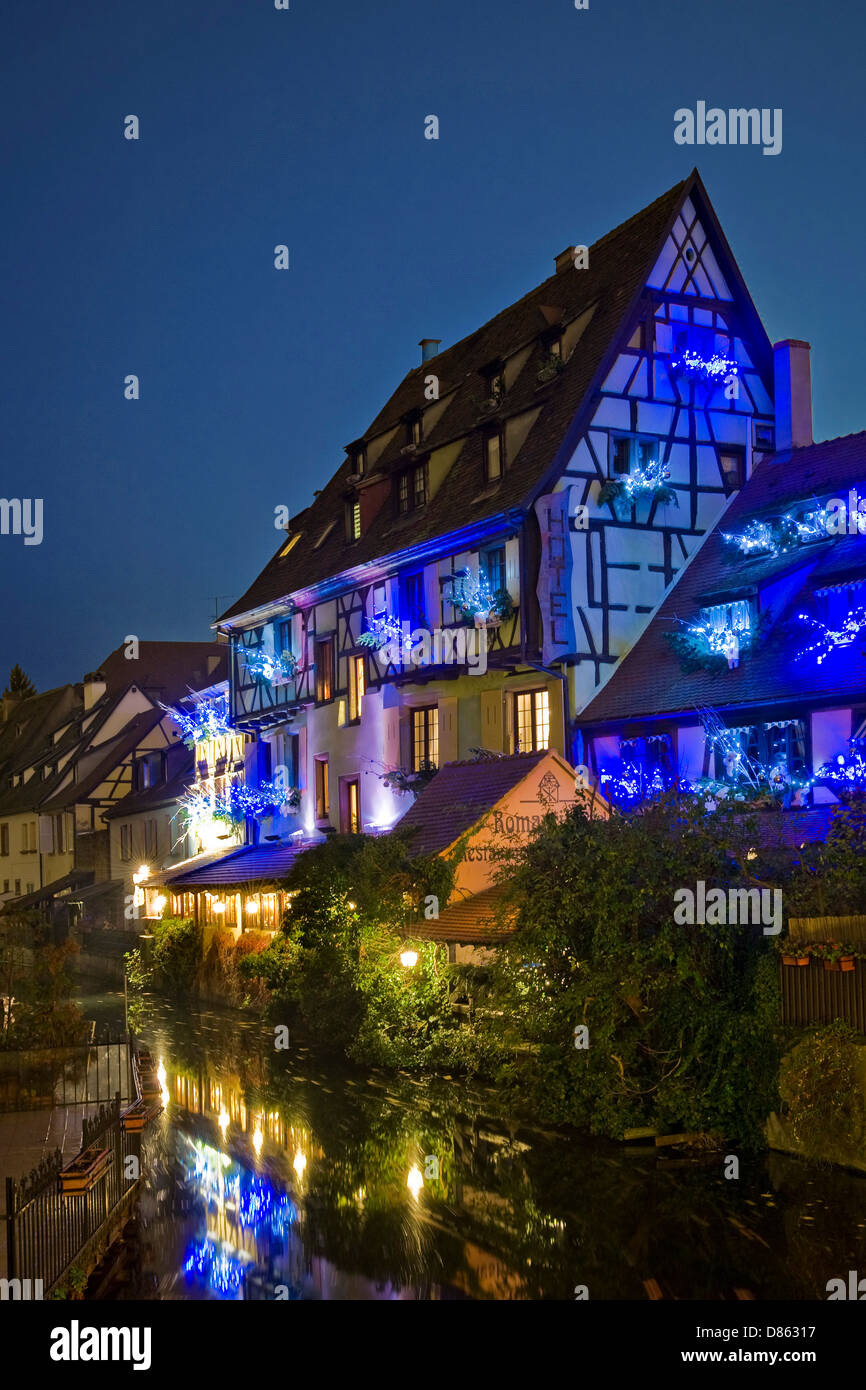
(793, 390)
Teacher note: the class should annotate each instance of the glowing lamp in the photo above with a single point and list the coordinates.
(300, 1163)
(409, 959)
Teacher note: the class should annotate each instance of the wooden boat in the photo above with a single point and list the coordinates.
(85, 1171)
(138, 1115)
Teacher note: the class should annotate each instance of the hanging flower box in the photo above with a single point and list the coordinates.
(847, 964)
(85, 1171)
(795, 960)
(834, 965)
(137, 1116)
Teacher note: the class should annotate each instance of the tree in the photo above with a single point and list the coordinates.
(20, 686)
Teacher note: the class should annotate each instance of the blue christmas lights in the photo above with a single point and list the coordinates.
(383, 628)
(271, 666)
(206, 720)
(714, 368)
(847, 772)
(204, 802)
(830, 639)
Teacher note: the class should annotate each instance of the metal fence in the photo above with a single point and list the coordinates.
(48, 1231)
(87, 1074)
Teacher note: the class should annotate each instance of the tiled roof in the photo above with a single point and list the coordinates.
(619, 265)
(459, 795)
(116, 751)
(167, 670)
(649, 680)
(73, 880)
(252, 864)
(470, 921)
(180, 773)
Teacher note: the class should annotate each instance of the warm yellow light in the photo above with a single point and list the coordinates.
(219, 907)
(223, 1121)
(300, 1163)
(162, 1074)
(415, 1182)
(252, 906)
(752, 854)
(258, 1140)
(159, 904)
(351, 906)
(143, 873)
(409, 958)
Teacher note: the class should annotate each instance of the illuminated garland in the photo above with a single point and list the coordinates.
(643, 482)
(781, 534)
(205, 721)
(712, 368)
(635, 784)
(473, 596)
(381, 629)
(848, 771)
(219, 1266)
(202, 803)
(703, 645)
(270, 666)
(830, 639)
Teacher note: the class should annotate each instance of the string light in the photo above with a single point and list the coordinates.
(710, 368)
(847, 771)
(829, 639)
(382, 628)
(271, 666)
(209, 719)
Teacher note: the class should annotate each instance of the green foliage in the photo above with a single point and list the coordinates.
(176, 956)
(681, 1019)
(19, 684)
(39, 977)
(831, 879)
(823, 1091)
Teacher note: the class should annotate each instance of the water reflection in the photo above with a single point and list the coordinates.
(271, 1176)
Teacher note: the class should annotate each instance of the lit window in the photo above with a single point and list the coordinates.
(733, 465)
(353, 520)
(357, 686)
(324, 670)
(323, 798)
(352, 810)
(493, 458)
(425, 738)
(531, 721)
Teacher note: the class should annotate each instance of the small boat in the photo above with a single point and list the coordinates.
(85, 1171)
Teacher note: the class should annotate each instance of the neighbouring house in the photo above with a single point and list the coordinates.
(498, 539)
(481, 810)
(66, 759)
(753, 670)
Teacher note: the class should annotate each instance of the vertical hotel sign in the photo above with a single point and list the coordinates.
(554, 575)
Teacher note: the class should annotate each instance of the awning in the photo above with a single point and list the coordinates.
(252, 864)
(76, 879)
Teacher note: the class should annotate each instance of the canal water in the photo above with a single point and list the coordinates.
(276, 1175)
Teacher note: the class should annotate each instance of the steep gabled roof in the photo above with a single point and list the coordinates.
(649, 680)
(459, 795)
(166, 671)
(619, 266)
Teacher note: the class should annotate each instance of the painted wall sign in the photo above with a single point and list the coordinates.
(554, 575)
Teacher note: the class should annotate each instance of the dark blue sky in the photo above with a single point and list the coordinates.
(259, 127)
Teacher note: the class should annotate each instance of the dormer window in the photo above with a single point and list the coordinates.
(494, 377)
(353, 520)
(493, 457)
(412, 486)
(414, 430)
(359, 461)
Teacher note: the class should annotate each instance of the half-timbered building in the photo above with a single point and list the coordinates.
(498, 538)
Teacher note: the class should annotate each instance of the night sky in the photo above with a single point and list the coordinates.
(306, 127)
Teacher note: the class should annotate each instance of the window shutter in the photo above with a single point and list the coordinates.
(46, 835)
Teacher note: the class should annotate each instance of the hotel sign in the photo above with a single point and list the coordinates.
(558, 637)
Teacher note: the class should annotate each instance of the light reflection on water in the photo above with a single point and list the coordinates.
(280, 1176)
